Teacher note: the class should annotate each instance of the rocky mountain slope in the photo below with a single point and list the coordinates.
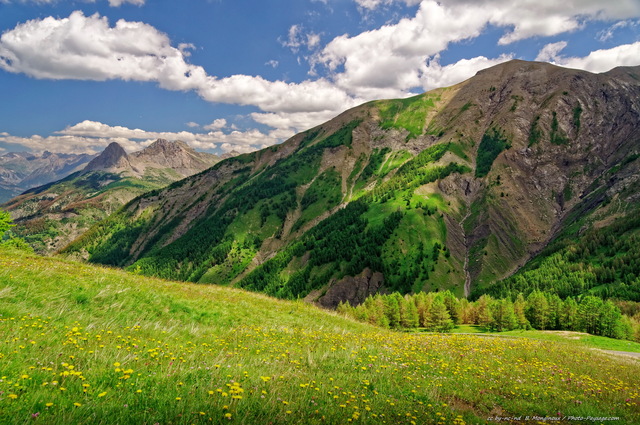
(454, 189)
(20, 171)
(50, 216)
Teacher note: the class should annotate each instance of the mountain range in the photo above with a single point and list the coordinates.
(20, 171)
(517, 175)
(52, 215)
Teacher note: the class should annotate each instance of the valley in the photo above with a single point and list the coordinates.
(50, 216)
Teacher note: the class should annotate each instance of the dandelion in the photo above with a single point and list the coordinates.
(49, 404)
(13, 396)
(77, 404)
(102, 394)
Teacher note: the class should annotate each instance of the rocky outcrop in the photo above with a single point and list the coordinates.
(354, 289)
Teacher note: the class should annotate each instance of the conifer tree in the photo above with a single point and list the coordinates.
(410, 318)
(5, 222)
(569, 314)
(504, 318)
(483, 311)
(440, 318)
(519, 307)
(537, 310)
(392, 311)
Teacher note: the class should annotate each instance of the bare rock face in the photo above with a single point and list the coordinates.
(354, 289)
(177, 155)
(113, 158)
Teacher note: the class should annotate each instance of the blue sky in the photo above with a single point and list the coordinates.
(240, 75)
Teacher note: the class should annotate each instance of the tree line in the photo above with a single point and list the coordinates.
(442, 311)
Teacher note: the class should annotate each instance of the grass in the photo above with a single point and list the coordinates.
(573, 338)
(81, 344)
(579, 338)
(409, 113)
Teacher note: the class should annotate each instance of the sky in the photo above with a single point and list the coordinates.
(241, 75)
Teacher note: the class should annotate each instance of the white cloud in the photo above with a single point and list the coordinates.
(373, 4)
(297, 38)
(88, 48)
(531, 18)
(444, 76)
(117, 3)
(192, 124)
(551, 51)
(291, 122)
(93, 137)
(272, 63)
(403, 50)
(596, 61)
(607, 34)
(406, 57)
(217, 124)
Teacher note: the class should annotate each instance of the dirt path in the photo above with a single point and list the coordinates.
(622, 353)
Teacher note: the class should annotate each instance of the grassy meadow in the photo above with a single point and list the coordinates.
(81, 344)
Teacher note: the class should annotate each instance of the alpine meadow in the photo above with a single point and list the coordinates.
(374, 212)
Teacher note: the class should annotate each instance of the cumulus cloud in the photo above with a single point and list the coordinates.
(404, 49)
(406, 57)
(444, 76)
(217, 124)
(92, 137)
(373, 4)
(88, 48)
(192, 124)
(596, 61)
(530, 18)
(401, 49)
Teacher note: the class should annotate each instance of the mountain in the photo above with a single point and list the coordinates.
(457, 189)
(50, 216)
(20, 171)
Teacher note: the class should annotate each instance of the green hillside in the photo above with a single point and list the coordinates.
(456, 189)
(89, 345)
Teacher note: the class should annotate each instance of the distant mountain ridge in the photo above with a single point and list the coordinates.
(50, 216)
(453, 189)
(20, 171)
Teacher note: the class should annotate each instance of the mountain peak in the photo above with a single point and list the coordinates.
(164, 147)
(114, 156)
(177, 155)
